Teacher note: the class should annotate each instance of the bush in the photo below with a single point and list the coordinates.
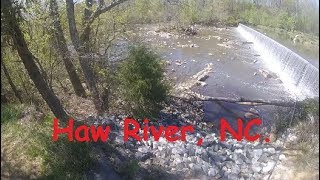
(306, 112)
(142, 84)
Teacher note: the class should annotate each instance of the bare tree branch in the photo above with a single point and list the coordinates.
(100, 10)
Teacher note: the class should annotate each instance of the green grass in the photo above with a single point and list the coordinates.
(30, 152)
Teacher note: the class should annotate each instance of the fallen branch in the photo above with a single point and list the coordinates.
(197, 97)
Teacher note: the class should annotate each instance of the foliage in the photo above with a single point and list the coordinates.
(9, 112)
(129, 169)
(306, 112)
(31, 141)
(305, 127)
(141, 80)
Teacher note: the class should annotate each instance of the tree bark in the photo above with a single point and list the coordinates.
(63, 49)
(9, 15)
(82, 47)
(13, 87)
(82, 43)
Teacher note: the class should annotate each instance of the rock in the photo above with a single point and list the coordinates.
(212, 172)
(238, 160)
(250, 115)
(296, 38)
(253, 110)
(190, 31)
(203, 78)
(282, 157)
(197, 168)
(191, 165)
(143, 156)
(268, 167)
(112, 136)
(231, 176)
(119, 140)
(263, 158)
(265, 74)
(109, 123)
(270, 150)
(257, 153)
(194, 45)
(238, 151)
(256, 168)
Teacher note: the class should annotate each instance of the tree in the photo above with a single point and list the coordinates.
(10, 17)
(63, 50)
(142, 82)
(12, 85)
(82, 45)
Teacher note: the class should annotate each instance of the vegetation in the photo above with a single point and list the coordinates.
(142, 84)
(304, 125)
(30, 153)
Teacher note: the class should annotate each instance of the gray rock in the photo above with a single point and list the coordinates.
(282, 157)
(205, 77)
(268, 167)
(143, 156)
(256, 168)
(263, 158)
(212, 172)
(257, 153)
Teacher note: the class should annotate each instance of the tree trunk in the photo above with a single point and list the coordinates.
(82, 44)
(10, 18)
(13, 87)
(63, 49)
(72, 24)
(83, 50)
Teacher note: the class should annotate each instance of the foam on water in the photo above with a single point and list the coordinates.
(299, 76)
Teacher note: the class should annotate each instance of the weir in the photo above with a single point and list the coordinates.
(299, 76)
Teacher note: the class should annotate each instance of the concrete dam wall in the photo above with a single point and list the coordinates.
(297, 74)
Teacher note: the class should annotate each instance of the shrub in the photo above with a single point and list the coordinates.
(306, 112)
(142, 84)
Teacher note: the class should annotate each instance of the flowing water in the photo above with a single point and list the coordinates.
(299, 75)
(237, 67)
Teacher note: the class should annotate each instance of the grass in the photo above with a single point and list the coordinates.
(305, 126)
(28, 151)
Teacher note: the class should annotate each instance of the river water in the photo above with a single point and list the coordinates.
(237, 68)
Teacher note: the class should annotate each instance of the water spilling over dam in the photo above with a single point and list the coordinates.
(300, 77)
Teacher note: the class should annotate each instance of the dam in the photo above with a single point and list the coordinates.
(300, 77)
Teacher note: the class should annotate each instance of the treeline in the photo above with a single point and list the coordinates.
(285, 14)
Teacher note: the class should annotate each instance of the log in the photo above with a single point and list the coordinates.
(239, 100)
